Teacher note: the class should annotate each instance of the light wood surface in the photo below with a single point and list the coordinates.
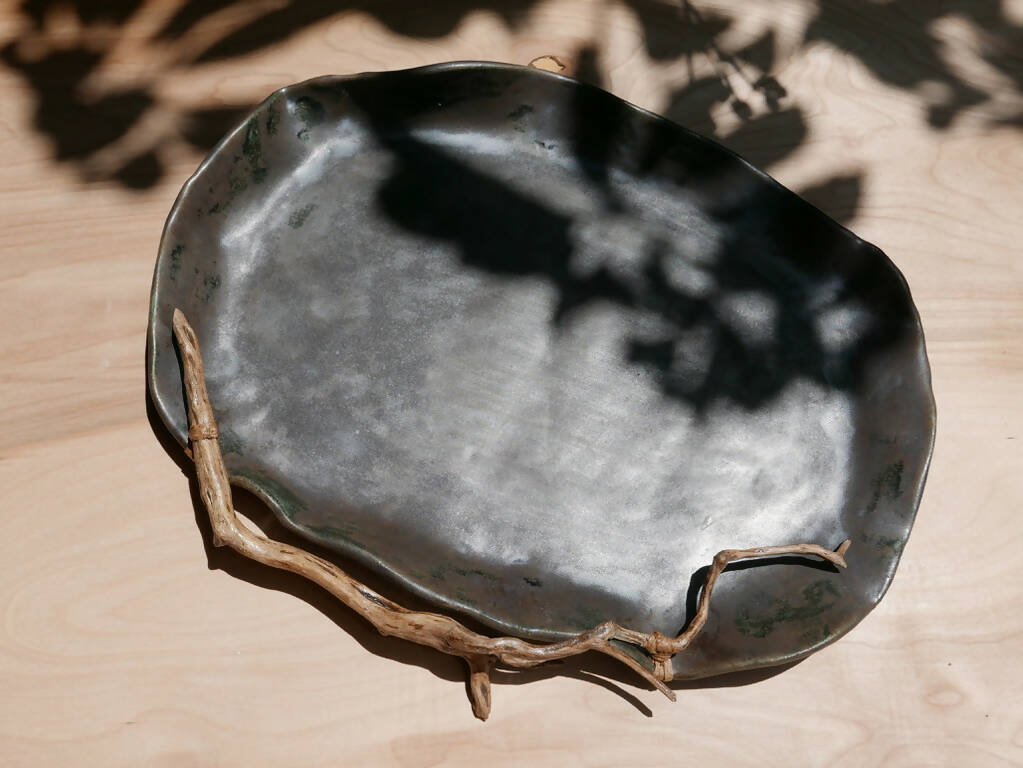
(124, 641)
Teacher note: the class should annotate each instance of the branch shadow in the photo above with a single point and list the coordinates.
(62, 44)
(503, 231)
(902, 44)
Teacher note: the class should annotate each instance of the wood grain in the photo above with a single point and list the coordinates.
(120, 646)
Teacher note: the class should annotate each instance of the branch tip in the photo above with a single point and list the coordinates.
(479, 685)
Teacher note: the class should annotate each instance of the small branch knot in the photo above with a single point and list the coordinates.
(479, 684)
(660, 646)
(201, 431)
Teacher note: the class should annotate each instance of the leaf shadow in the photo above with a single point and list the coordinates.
(62, 44)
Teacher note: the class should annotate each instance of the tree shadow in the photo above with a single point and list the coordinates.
(903, 45)
(118, 132)
(767, 236)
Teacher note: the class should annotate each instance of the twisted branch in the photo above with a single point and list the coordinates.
(443, 633)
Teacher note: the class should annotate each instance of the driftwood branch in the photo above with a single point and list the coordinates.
(443, 633)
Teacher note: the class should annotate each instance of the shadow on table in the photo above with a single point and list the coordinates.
(114, 124)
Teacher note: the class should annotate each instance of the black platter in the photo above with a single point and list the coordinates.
(538, 354)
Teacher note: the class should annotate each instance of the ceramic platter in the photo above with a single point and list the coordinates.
(538, 354)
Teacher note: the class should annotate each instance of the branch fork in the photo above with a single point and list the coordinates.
(480, 652)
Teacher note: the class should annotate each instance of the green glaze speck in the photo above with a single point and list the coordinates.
(298, 218)
(886, 485)
(819, 597)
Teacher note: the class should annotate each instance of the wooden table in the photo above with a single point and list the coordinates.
(121, 645)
